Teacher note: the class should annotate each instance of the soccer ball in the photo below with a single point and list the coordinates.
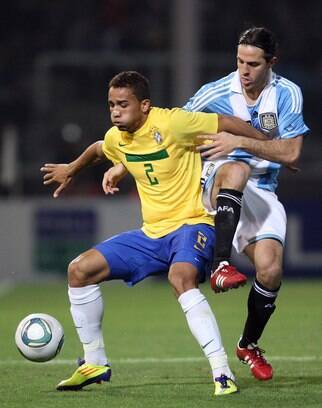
(39, 337)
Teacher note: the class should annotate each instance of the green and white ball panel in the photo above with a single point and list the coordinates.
(39, 337)
(36, 333)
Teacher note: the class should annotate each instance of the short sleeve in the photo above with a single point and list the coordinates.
(187, 125)
(291, 122)
(200, 101)
(109, 149)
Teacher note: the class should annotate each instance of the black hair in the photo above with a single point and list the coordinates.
(131, 79)
(262, 38)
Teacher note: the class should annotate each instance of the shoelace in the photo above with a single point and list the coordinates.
(232, 269)
(223, 269)
(258, 357)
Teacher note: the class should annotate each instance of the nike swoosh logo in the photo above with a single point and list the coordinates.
(205, 345)
(123, 144)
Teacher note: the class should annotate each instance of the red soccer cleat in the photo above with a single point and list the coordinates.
(253, 356)
(226, 277)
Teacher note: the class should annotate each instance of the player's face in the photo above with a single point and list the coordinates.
(127, 112)
(253, 68)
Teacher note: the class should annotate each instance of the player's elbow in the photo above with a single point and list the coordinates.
(294, 151)
(99, 148)
(290, 150)
(293, 158)
(290, 158)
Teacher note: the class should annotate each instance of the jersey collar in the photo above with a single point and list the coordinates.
(236, 85)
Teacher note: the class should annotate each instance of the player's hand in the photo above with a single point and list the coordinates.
(221, 144)
(111, 178)
(56, 173)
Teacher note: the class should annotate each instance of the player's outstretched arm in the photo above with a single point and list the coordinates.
(63, 173)
(234, 133)
(239, 127)
(111, 178)
(230, 131)
(284, 151)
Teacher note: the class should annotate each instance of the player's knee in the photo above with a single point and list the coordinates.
(233, 175)
(76, 274)
(181, 282)
(175, 280)
(270, 275)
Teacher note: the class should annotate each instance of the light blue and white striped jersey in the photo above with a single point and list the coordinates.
(277, 112)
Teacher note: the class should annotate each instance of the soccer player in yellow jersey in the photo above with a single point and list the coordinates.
(157, 147)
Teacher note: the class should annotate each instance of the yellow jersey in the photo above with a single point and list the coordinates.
(162, 159)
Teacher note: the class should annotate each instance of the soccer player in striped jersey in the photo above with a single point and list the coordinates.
(240, 178)
(157, 146)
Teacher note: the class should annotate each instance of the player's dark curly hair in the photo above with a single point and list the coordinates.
(131, 79)
(262, 38)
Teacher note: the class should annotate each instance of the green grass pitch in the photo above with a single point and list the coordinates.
(156, 362)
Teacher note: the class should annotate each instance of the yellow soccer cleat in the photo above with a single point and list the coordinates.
(84, 375)
(224, 386)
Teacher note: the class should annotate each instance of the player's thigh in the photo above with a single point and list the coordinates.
(262, 217)
(88, 268)
(233, 175)
(222, 173)
(267, 257)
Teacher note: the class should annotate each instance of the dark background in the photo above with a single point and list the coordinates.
(57, 58)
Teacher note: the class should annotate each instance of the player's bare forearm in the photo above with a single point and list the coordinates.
(238, 127)
(92, 155)
(112, 177)
(63, 173)
(284, 151)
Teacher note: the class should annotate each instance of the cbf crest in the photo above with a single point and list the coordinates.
(157, 136)
(268, 121)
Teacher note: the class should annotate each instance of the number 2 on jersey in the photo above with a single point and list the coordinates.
(148, 170)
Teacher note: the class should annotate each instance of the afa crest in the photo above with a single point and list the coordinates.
(268, 121)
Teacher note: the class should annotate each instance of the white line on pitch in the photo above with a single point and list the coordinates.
(5, 288)
(173, 360)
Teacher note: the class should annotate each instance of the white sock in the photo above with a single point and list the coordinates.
(203, 326)
(87, 311)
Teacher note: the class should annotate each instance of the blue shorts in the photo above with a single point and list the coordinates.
(133, 256)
